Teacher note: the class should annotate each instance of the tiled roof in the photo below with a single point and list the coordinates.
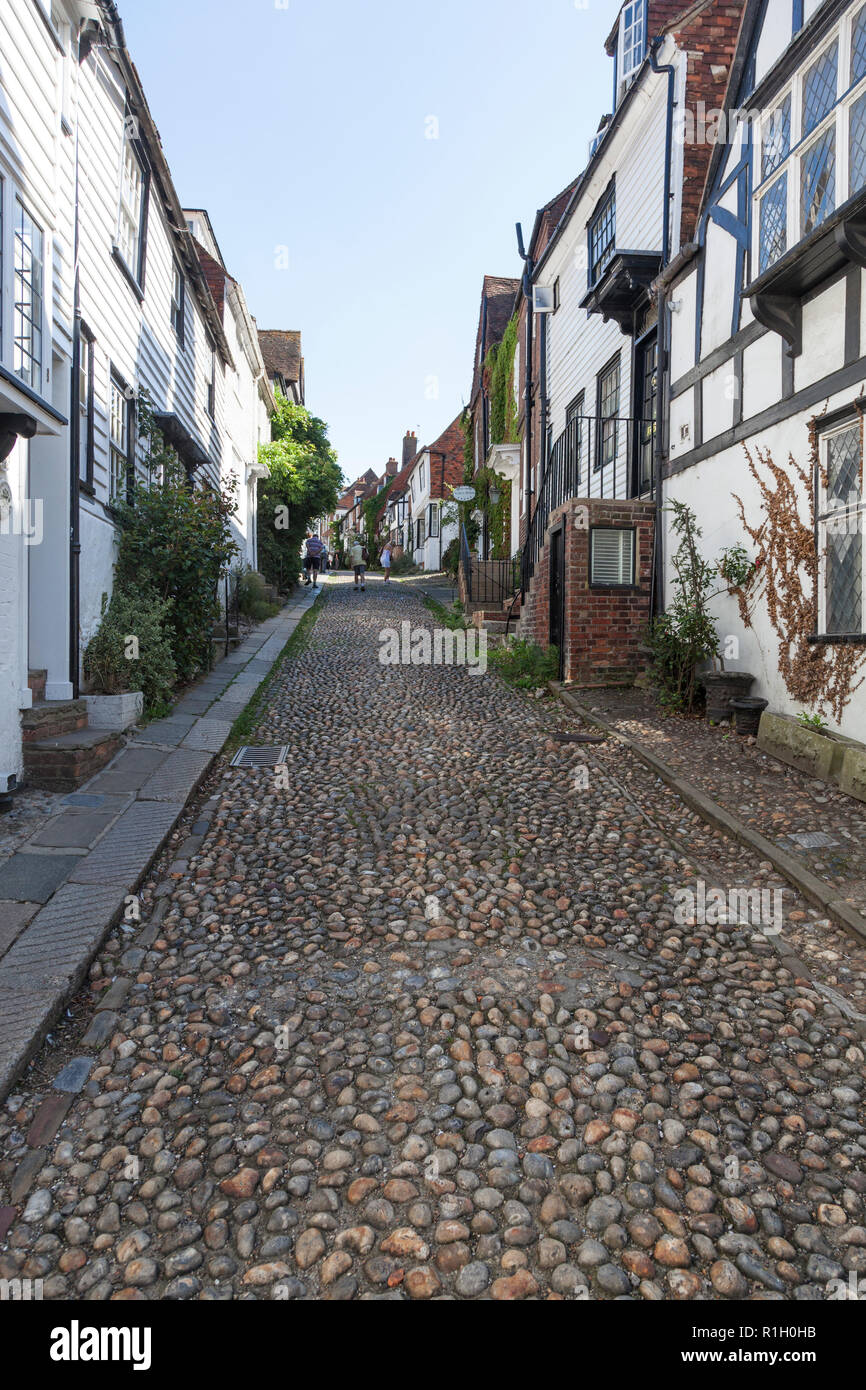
(281, 352)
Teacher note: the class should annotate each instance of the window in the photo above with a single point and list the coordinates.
(433, 520)
(419, 531)
(210, 385)
(575, 413)
(422, 480)
(29, 276)
(119, 440)
(611, 556)
(632, 44)
(602, 236)
(841, 516)
(608, 410)
(86, 407)
(646, 386)
(178, 296)
(813, 144)
(133, 190)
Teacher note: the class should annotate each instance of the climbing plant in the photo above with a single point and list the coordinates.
(372, 510)
(500, 367)
(816, 674)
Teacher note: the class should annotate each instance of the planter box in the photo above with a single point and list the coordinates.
(114, 711)
(852, 774)
(819, 755)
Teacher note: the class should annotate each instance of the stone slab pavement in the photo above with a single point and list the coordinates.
(63, 889)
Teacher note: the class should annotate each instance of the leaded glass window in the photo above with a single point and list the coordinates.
(819, 88)
(774, 223)
(818, 182)
(608, 410)
(841, 520)
(29, 277)
(858, 46)
(776, 138)
(857, 146)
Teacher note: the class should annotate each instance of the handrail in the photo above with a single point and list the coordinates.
(466, 561)
(561, 479)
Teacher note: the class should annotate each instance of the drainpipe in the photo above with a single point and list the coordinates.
(75, 444)
(528, 267)
(661, 333)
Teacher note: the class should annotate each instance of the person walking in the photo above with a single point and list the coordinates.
(313, 557)
(386, 561)
(356, 559)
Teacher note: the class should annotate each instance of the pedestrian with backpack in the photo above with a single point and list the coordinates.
(313, 558)
(356, 560)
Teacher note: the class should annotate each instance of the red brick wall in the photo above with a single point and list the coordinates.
(604, 628)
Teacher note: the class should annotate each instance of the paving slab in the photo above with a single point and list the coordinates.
(177, 776)
(167, 731)
(208, 735)
(14, 917)
(129, 771)
(123, 855)
(75, 829)
(34, 877)
(60, 940)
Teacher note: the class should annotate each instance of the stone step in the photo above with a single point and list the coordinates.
(51, 718)
(64, 762)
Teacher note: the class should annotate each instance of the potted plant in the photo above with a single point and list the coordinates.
(747, 714)
(128, 665)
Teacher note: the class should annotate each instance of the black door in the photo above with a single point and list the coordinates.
(646, 405)
(557, 592)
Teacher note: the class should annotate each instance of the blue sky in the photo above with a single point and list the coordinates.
(304, 127)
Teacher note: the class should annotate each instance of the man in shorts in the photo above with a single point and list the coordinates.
(356, 560)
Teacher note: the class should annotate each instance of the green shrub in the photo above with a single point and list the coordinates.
(262, 609)
(525, 665)
(451, 557)
(405, 565)
(114, 663)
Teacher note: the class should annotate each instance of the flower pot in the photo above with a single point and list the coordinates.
(722, 687)
(114, 711)
(747, 714)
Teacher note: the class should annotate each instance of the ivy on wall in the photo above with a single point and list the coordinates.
(372, 509)
(500, 367)
(816, 674)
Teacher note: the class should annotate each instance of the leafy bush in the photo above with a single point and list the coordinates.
(262, 609)
(303, 483)
(113, 663)
(175, 540)
(686, 633)
(451, 557)
(405, 565)
(251, 589)
(525, 665)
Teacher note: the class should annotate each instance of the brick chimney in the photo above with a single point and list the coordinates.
(392, 468)
(410, 447)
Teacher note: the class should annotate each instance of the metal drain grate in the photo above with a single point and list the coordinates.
(259, 757)
(813, 839)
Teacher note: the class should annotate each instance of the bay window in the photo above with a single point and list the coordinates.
(812, 144)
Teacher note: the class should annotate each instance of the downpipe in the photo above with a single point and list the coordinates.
(657, 582)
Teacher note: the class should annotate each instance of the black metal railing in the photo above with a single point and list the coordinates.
(587, 460)
(466, 562)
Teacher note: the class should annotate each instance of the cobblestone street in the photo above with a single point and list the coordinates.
(425, 1024)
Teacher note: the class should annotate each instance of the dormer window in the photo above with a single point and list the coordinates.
(631, 48)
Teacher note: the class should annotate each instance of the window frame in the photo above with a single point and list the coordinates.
(119, 384)
(576, 409)
(36, 305)
(210, 384)
(836, 120)
(178, 302)
(596, 265)
(600, 462)
(825, 516)
(131, 142)
(639, 21)
(622, 587)
(433, 520)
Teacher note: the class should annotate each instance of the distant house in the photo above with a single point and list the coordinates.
(284, 362)
(498, 300)
(435, 471)
(249, 399)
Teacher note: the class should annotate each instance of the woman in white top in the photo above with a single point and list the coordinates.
(386, 561)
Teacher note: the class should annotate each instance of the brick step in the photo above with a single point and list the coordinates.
(62, 763)
(51, 718)
(36, 683)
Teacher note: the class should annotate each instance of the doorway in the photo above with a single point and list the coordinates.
(556, 625)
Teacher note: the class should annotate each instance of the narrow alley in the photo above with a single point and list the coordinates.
(419, 1018)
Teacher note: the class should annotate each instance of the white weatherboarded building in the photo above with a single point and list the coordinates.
(768, 351)
(83, 177)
